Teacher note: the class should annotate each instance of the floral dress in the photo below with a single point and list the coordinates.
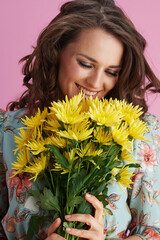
(132, 212)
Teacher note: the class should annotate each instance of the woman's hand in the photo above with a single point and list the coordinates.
(52, 235)
(95, 222)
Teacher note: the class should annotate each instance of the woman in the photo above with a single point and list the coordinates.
(90, 46)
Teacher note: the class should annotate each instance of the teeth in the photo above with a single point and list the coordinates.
(87, 92)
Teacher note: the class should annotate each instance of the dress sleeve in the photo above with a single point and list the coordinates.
(144, 198)
(3, 187)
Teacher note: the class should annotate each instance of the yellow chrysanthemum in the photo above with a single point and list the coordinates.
(85, 104)
(77, 132)
(37, 166)
(58, 167)
(127, 157)
(120, 136)
(23, 138)
(103, 137)
(116, 104)
(90, 102)
(51, 125)
(103, 114)
(129, 111)
(37, 146)
(69, 111)
(70, 156)
(35, 122)
(137, 128)
(114, 171)
(89, 151)
(123, 177)
(23, 158)
(57, 141)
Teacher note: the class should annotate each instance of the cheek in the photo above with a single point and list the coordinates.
(64, 76)
(114, 82)
(110, 83)
(70, 72)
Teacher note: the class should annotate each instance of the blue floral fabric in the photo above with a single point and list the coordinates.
(134, 212)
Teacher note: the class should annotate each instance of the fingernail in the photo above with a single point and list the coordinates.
(88, 195)
(68, 216)
(68, 229)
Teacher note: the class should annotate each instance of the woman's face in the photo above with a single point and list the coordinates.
(91, 64)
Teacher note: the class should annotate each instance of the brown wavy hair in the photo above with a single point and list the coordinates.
(40, 68)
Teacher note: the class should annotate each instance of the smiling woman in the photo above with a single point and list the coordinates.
(42, 66)
(93, 48)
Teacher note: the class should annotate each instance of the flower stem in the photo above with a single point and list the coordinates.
(68, 180)
(53, 186)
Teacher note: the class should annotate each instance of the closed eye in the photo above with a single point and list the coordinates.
(84, 64)
(112, 73)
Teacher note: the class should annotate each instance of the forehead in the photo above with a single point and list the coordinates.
(98, 44)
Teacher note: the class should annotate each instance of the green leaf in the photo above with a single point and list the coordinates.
(83, 172)
(79, 225)
(85, 208)
(91, 177)
(100, 173)
(75, 201)
(55, 215)
(105, 191)
(114, 164)
(133, 165)
(112, 152)
(108, 177)
(60, 231)
(99, 189)
(35, 193)
(59, 157)
(62, 125)
(102, 198)
(74, 175)
(48, 201)
(76, 184)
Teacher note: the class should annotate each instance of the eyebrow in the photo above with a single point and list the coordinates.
(93, 60)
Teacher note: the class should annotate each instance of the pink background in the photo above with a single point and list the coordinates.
(22, 21)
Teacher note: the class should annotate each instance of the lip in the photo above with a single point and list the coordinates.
(87, 89)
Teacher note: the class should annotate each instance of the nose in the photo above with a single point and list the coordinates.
(95, 79)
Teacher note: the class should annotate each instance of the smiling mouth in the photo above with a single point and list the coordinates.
(89, 93)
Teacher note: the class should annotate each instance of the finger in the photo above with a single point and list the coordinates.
(85, 218)
(97, 205)
(55, 236)
(54, 226)
(81, 233)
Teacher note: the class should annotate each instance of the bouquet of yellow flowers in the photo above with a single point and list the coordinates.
(77, 146)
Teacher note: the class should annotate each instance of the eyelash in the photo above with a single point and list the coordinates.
(83, 64)
(113, 74)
